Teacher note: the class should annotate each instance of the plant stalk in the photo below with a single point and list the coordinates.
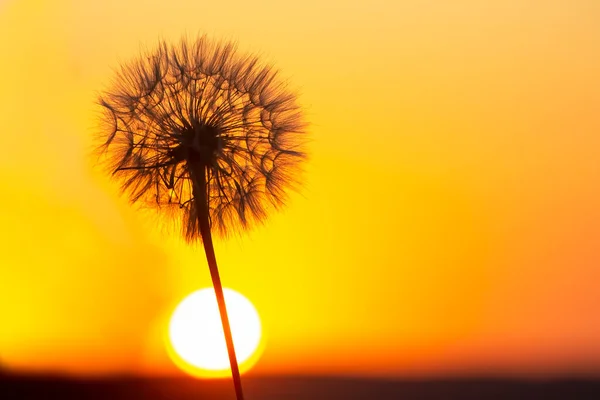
(203, 222)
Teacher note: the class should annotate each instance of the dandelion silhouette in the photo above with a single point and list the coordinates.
(212, 137)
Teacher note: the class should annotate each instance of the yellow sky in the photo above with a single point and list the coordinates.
(450, 219)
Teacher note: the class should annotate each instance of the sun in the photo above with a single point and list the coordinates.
(195, 335)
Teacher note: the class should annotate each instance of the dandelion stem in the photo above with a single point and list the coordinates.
(204, 224)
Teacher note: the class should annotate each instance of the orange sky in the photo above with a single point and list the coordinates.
(450, 221)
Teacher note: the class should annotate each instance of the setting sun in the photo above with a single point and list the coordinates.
(195, 338)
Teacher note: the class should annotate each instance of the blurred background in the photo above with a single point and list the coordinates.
(449, 223)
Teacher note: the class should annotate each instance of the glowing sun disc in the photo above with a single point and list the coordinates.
(196, 341)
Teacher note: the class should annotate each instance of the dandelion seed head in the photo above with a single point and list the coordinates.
(196, 129)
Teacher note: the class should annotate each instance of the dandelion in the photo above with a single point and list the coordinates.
(209, 136)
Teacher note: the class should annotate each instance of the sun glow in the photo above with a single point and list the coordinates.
(196, 342)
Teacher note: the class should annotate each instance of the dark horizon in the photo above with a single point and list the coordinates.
(38, 386)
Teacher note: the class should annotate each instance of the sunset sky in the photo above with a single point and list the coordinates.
(449, 222)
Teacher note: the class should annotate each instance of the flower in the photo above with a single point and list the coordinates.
(198, 129)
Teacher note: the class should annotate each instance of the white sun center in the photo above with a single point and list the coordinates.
(196, 333)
